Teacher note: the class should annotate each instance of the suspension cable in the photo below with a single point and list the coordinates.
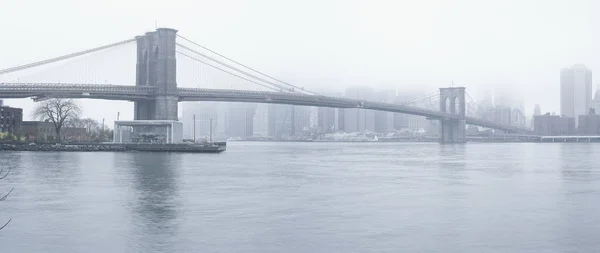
(474, 101)
(228, 72)
(429, 96)
(261, 73)
(64, 57)
(234, 68)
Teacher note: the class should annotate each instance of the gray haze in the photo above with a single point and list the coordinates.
(519, 46)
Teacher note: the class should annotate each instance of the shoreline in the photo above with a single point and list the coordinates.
(216, 147)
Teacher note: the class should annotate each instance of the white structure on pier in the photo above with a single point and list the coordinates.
(148, 131)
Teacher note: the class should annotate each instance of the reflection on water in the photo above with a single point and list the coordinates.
(307, 197)
(155, 197)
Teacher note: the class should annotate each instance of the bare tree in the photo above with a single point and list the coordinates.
(58, 111)
(93, 128)
(3, 174)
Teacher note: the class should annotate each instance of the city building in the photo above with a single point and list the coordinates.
(10, 120)
(280, 121)
(575, 91)
(200, 115)
(589, 124)
(38, 131)
(500, 115)
(384, 121)
(314, 118)
(240, 120)
(75, 134)
(414, 122)
(553, 125)
(260, 121)
(596, 100)
(537, 110)
(517, 117)
(359, 120)
(44, 131)
(326, 120)
(301, 120)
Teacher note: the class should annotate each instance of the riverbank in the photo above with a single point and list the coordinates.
(216, 147)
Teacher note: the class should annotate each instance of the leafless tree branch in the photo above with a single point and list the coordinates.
(58, 111)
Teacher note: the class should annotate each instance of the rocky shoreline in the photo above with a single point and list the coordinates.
(64, 147)
(216, 147)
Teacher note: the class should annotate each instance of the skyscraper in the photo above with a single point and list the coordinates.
(596, 100)
(537, 110)
(300, 119)
(261, 120)
(327, 119)
(280, 121)
(240, 119)
(575, 91)
(384, 121)
(359, 120)
(203, 112)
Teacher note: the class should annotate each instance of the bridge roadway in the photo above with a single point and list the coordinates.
(133, 93)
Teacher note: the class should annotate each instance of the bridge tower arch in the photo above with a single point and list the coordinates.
(157, 67)
(453, 129)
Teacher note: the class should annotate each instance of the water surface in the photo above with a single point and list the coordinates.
(307, 197)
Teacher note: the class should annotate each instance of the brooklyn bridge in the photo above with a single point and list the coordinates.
(156, 95)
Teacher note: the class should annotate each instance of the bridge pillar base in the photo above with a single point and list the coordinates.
(166, 108)
(453, 131)
(144, 110)
(160, 108)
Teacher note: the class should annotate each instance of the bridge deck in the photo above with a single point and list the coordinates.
(134, 93)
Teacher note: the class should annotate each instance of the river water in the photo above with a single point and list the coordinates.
(307, 197)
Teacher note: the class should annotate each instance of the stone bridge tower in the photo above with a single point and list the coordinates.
(156, 67)
(452, 100)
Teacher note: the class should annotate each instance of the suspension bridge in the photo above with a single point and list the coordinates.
(156, 93)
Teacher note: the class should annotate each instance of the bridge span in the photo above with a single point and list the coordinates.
(39, 91)
(155, 93)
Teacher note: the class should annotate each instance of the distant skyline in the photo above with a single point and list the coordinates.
(519, 46)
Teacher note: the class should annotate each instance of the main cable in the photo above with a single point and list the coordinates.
(245, 66)
(234, 68)
(64, 57)
(228, 72)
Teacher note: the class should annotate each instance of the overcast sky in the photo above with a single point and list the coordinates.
(480, 44)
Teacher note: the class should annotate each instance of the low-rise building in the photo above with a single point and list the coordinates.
(44, 131)
(589, 124)
(38, 131)
(10, 120)
(553, 125)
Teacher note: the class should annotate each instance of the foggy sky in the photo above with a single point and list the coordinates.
(519, 45)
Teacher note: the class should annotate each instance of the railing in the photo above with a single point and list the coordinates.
(16, 88)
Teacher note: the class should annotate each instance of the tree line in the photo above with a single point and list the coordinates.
(65, 116)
